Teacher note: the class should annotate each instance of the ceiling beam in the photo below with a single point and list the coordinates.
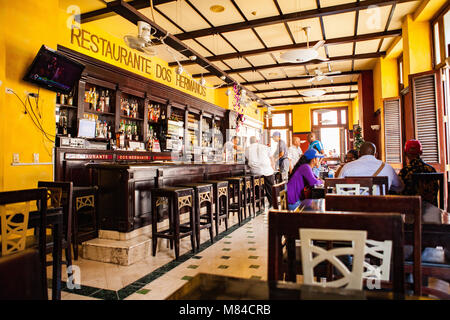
(289, 64)
(131, 14)
(331, 85)
(295, 16)
(300, 96)
(335, 41)
(107, 12)
(310, 102)
(343, 73)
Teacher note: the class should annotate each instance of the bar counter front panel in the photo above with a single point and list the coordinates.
(125, 180)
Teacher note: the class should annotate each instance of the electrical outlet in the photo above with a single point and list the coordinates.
(9, 90)
(36, 157)
(16, 158)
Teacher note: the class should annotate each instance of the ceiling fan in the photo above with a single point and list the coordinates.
(313, 92)
(319, 75)
(143, 41)
(304, 55)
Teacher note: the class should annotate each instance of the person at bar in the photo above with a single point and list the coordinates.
(415, 164)
(369, 165)
(351, 155)
(302, 176)
(231, 148)
(294, 153)
(261, 163)
(281, 155)
(314, 143)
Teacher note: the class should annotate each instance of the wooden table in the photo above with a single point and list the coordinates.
(54, 218)
(216, 287)
(435, 223)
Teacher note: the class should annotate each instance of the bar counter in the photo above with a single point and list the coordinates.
(124, 202)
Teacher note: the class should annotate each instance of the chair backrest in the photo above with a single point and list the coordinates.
(312, 255)
(349, 185)
(379, 227)
(279, 196)
(420, 179)
(410, 206)
(60, 194)
(14, 225)
(382, 182)
(40, 196)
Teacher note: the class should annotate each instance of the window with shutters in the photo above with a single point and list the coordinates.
(425, 116)
(392, 131)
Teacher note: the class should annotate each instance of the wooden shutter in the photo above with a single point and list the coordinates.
(426, 116)
(392, 131)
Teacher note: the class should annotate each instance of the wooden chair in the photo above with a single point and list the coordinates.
(60, 194)
(312, 255)
(381, 181)
(21, 276)
(419, 179)
(40, 196)
(279, 196)
(379, 227)
(350, 186)
(410, 206)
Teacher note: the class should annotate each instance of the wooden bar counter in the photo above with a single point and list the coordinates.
(124, 199)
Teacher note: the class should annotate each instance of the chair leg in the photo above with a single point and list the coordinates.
(211, 232)
(75, 234)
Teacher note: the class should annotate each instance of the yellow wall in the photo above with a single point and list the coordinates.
(355, 110)
(301, 114)
(417, 44)
(25, 26)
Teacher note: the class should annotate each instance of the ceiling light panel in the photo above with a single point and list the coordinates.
(365, 64)
(401, 10)
(237, 63)
(216, 44)
(315, 33)
(345, 49)
(243, 40)
(183, 15)
(227, 16)
(289, 6)
(257, 9)
(373, 19)
(339, 25)
(330, 3)
(274, 35)
(261, 59)
(367, 46)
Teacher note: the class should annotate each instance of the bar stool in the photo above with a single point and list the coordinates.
(257, 193)
(263, 192)
(203, 193)
(83, 208)
(236, 189)
(176, 198)
(249, 196)
(220, 191)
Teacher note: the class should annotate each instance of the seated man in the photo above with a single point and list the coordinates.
(428, 191)
(368, 165)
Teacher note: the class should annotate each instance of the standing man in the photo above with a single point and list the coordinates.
(281, 155)
(231, 148)
(294, 153)
(261, 163)
(314, 143)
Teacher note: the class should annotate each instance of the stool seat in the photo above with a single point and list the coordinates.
(177, 199)
(249, 199)
(236, 188)
(203, 194)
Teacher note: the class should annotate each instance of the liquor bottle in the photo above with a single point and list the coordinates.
(102, 102)
(105, 129)
(163, 115)
(70, 100)
(109, 135)
(58, 98)
(63, 99)
(107, 101)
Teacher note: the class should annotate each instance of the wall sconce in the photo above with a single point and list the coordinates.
(375, 127)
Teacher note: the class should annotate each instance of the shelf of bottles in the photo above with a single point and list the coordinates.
(175, 131)
(131, 117)
(156, 116)
(66, 114)
(99, 106)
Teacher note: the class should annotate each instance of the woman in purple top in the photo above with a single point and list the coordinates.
(301, 176)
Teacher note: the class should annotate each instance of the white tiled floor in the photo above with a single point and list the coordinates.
(242, 253)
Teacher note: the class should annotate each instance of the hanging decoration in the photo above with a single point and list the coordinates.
(237, 106)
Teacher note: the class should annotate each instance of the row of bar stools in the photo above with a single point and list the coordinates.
(203, 193)
(220, 191)
(236, 189)
(249, 198)
(177, 199)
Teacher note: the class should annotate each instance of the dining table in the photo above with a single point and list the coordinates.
(54, 219)
(204, 286)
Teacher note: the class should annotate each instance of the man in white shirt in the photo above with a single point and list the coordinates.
(261, 162)
(294, 153)
(368, 165)
(230, 149)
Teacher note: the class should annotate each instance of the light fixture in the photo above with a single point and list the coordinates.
(217, 8)
(223, 78)
(228, 92)
(202, 82)
(179, 70)
(313, 93)
(193, 58)
(243, 92)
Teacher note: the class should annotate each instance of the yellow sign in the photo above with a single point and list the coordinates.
(106, 48)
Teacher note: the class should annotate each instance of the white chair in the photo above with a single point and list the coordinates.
(351, 189)
(313, 255)
(381, 250)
